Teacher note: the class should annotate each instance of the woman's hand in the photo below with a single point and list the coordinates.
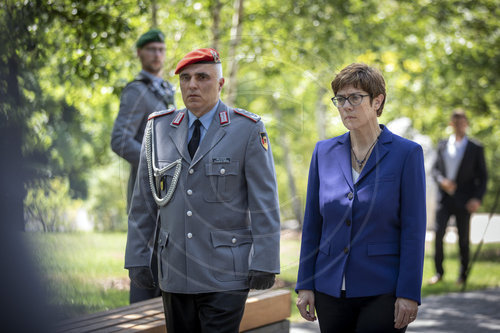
(405, 312)
(305, 304)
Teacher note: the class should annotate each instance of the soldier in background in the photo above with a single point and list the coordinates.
(209, 172)
(147, 93)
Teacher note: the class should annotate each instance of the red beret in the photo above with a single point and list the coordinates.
(197, 56)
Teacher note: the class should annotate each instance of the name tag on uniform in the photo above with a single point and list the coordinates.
(221, 160)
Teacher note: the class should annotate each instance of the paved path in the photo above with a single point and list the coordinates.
(469, 312)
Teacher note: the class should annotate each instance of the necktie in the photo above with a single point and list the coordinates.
(195, 139)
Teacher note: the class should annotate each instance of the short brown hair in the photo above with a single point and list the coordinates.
(458, 113)
(363, 77)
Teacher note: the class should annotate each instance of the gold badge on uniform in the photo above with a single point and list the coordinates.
(263, 140)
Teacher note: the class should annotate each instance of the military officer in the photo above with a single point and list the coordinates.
(145, 94)
(209, 171)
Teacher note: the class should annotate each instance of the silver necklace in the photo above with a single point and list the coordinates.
(360, 163)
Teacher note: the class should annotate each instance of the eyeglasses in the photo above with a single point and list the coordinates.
(354, 99)
(153, 50)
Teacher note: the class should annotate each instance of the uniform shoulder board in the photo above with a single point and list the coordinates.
(249, 115)
(160, 113)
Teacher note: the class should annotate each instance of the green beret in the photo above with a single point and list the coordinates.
(153, 35)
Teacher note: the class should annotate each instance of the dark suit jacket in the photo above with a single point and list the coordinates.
(373, 230)
(471, 177)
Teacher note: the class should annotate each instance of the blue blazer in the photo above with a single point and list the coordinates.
(371, 231)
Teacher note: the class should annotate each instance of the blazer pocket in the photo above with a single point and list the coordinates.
(381, 179)
(222, 181)
(162, 249)
(383, 249)
(229, 259)
(385, 179)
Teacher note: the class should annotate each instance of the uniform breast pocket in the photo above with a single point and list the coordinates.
(229, 259)
(222, 181)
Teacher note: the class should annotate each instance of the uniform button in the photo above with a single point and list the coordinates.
(189, 192)
(346, 250)
(191, 171)
(348, 222)
(350, 195)
(233, 240)
(222, 171)
(189, 235)
(189, 213)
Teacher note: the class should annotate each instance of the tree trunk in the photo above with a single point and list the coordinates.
(216, 7)
(321, 114)
(235, 41)
(285, 145)
(12, 167)
(154, 14)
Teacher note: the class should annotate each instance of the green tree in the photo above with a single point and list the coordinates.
(64, 65)
(50, 49)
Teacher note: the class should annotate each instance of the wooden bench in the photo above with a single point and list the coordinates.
(265, 312)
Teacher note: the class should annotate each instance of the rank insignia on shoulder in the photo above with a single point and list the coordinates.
(263, 140)
(178, 119)
(224, 118)
(249, 115)
(160, 113)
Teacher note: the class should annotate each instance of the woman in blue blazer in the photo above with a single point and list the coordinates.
(363, 238)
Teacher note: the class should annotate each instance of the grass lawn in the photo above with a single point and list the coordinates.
(84, 271)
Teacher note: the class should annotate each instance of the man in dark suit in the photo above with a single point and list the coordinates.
(460, 172)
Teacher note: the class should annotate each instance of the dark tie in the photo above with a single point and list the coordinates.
(195, 139)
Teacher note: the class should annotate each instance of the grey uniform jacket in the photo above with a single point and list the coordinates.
(138, 100)
(223, 218)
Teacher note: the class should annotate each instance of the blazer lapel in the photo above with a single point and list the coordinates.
(465, 159)
(343, 157)
(378, 153)
(214, 134)
(179, 136)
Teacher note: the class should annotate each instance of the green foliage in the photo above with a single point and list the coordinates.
(45, 76)
(49, 208)
(66, 63)
(108, 197)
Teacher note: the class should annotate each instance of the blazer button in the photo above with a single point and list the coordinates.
(189, 235)
(222, 171)
(350, 195)
(191, 171)
(233, 240)
(189, 192)
(348, 222)
(346, 250)
(189, 213)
